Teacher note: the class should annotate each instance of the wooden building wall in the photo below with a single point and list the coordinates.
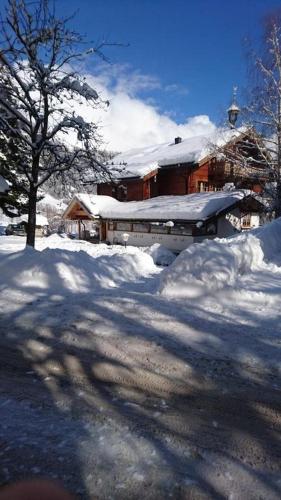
(221, 172)
(201, 175)
(181, 180)
(136, 190)
(173, 181)
(104, 189)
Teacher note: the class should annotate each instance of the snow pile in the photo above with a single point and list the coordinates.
(60, 271)
(161, 255)
(206, 267)
(62, 242)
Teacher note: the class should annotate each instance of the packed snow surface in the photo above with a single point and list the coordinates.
(214, 264)
(142, 161)
(166, 392)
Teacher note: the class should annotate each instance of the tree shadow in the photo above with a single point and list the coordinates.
(123, 393)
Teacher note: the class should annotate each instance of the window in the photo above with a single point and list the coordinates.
(211, 228)
(122, 192)
(229, 169)
(203, 186)
(202, 229)
(111, 226)
(246, 221)
(123, 226)
(158, 228)
(141, 228)
(183, 229)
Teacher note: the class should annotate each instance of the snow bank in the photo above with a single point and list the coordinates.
(209, 266)
(161, 255)
(60, 271)
(94, 250)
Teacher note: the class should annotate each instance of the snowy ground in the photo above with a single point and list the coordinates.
(122, 388)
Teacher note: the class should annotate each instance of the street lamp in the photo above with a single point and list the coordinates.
(233, 111)
(169, 223)
(125, 237)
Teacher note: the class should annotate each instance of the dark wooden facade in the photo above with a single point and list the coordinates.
(186, 178)
(170, 180)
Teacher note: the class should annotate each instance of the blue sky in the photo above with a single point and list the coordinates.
(176, 75)
(193, 47)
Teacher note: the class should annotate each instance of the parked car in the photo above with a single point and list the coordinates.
(2, 230)
(16, 229)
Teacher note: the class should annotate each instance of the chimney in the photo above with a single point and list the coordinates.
(178, 140)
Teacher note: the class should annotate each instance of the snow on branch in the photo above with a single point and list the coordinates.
(81, 88)
(39, 92)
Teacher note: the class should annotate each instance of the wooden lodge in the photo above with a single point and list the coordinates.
(182, 167)
(173, 221)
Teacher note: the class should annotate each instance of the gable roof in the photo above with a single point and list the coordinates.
(92, 204)
(141, 161)
(191, 207)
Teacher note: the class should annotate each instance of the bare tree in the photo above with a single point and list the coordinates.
(240, 157)
(257, 153)
(38, 83)
(265, 105)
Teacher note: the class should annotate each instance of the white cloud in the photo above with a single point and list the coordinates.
(177, 89)
(132, 121)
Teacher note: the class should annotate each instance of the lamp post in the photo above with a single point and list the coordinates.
(169, 223)
(234, 110)
(125, 237)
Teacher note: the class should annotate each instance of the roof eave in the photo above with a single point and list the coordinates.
(74, 200)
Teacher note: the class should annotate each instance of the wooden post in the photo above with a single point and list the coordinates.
(103, 232)
(79, 229)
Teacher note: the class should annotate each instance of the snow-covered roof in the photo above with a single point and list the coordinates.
(41, 220)
(140, 162)
(197, 206)
(4, 186)
(94, 204)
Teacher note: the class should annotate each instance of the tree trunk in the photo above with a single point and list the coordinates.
(31, 226)
(278, 200)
